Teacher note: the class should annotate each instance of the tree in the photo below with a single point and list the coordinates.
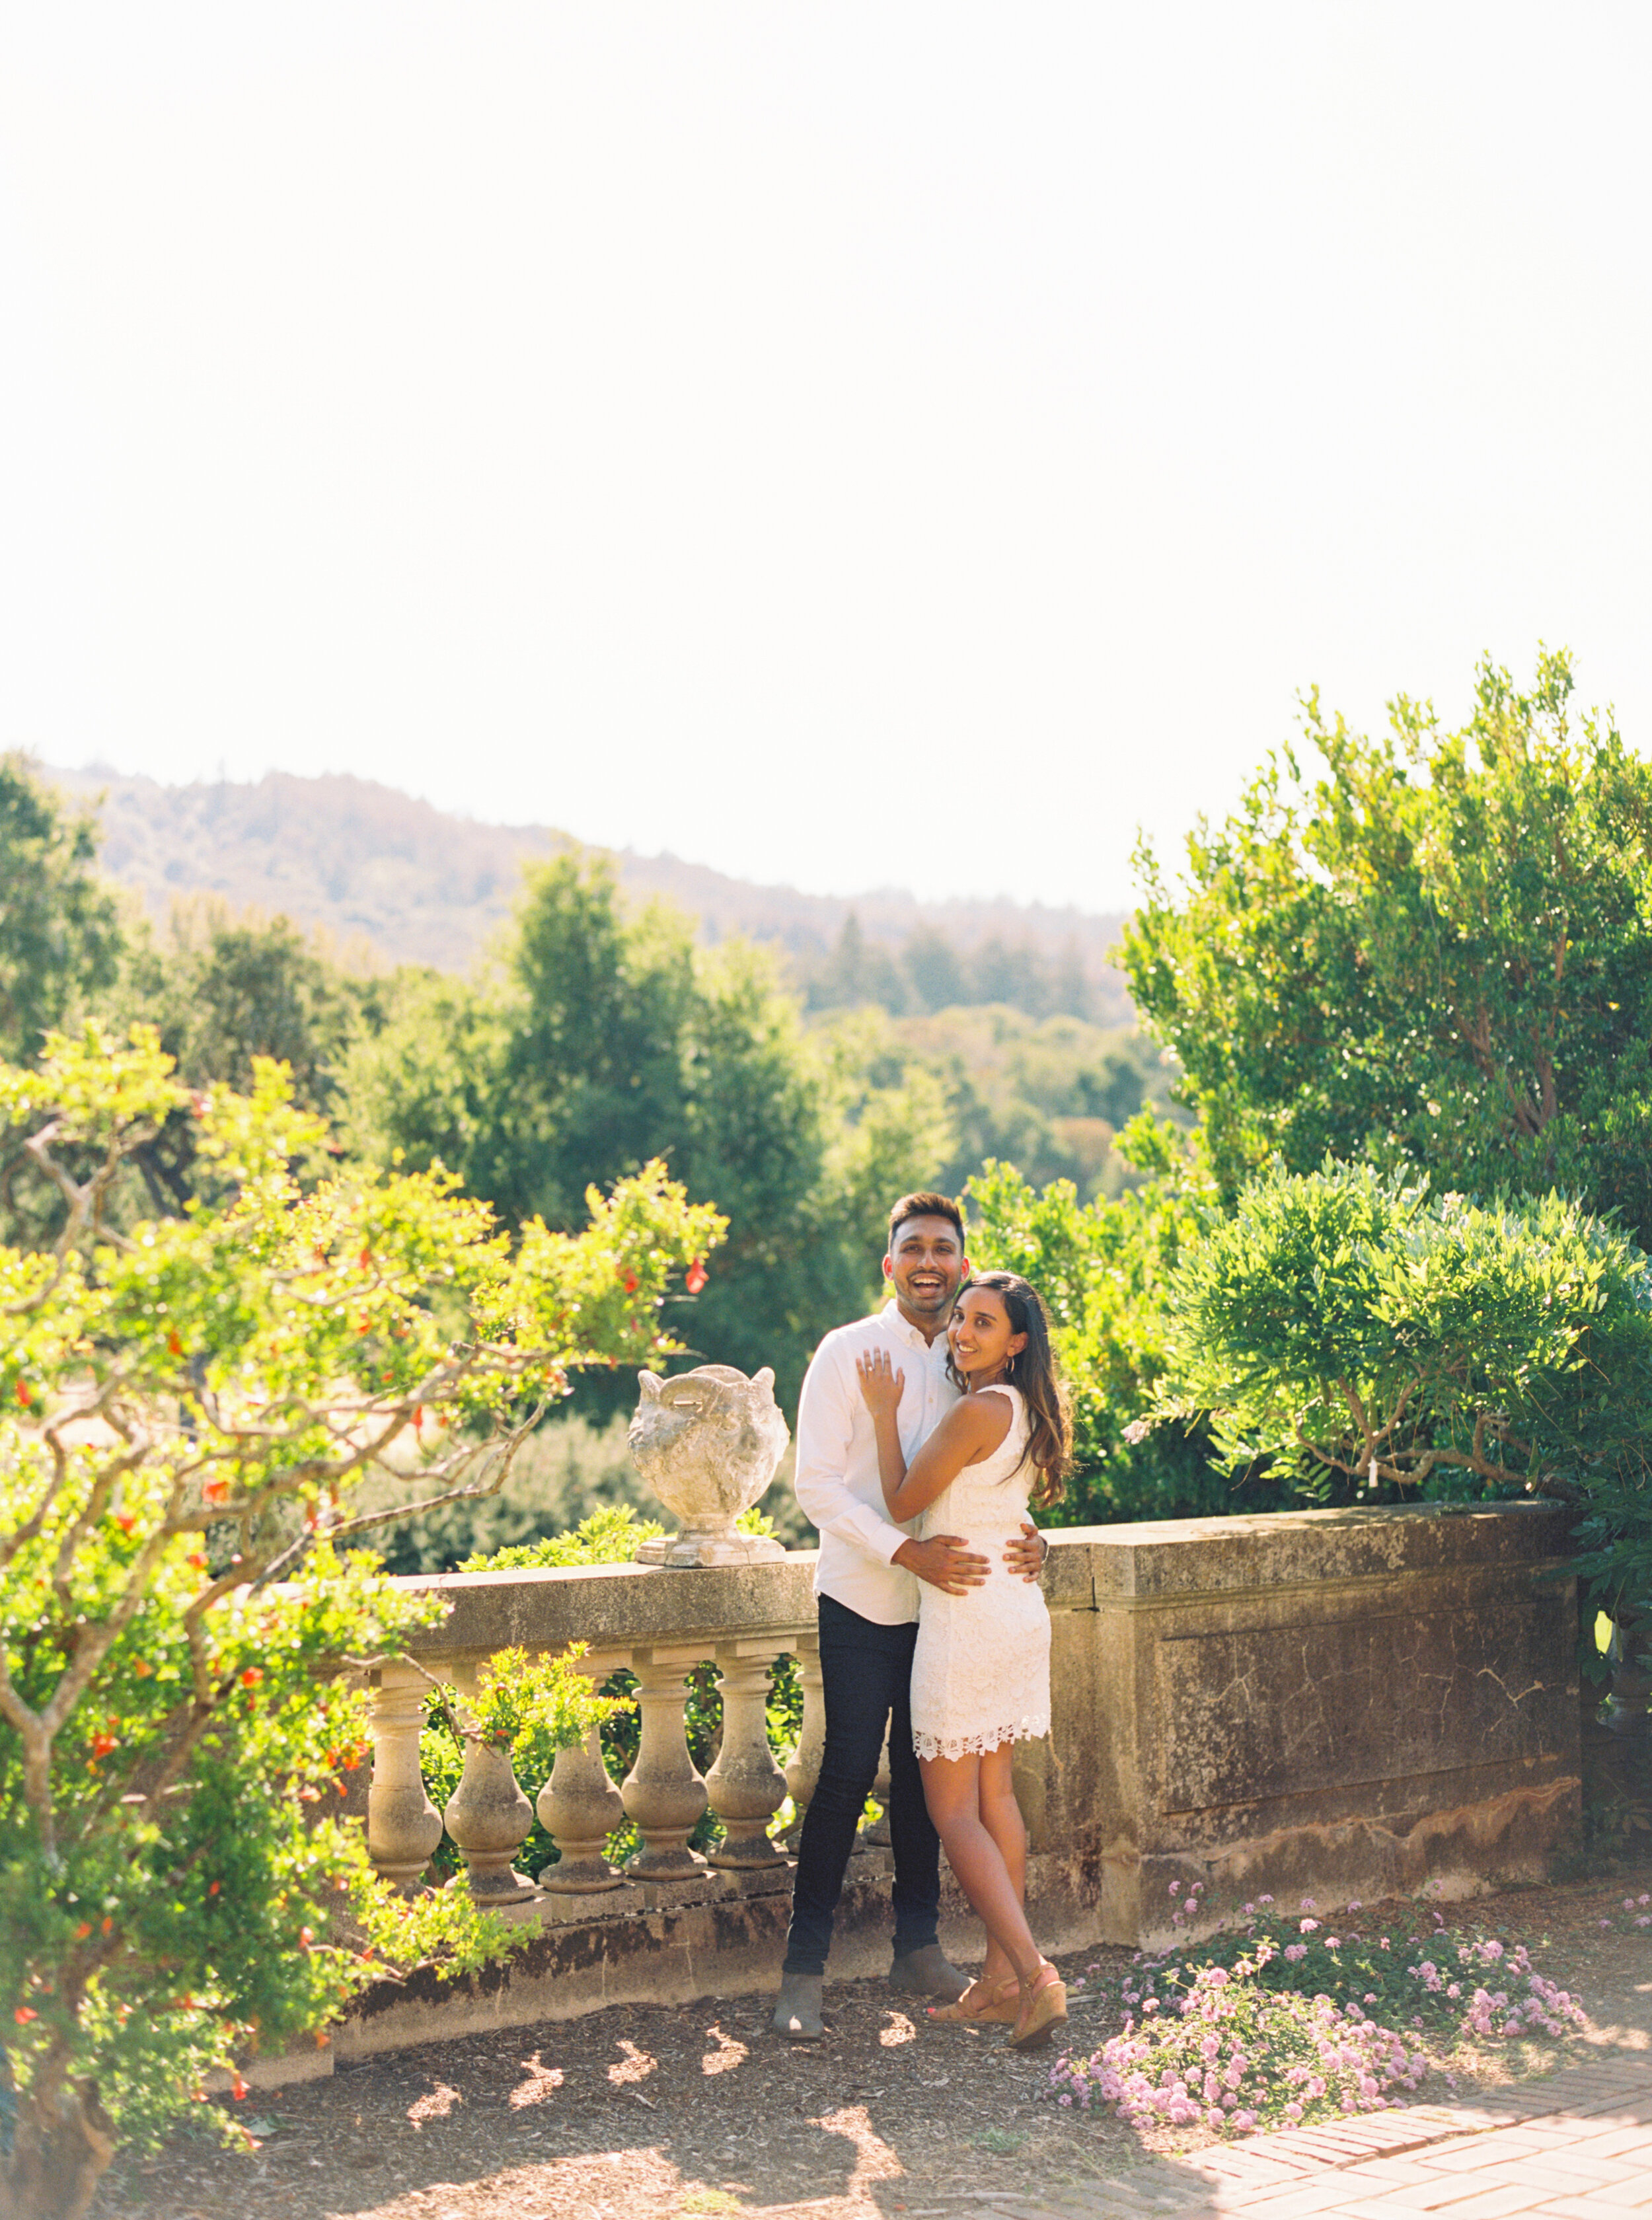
(60, 936)
(187, 1406)
(856, 971)
(609, 1040)
(223, 991)
(1437, 955)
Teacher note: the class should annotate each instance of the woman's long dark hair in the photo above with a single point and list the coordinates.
(1032, 1369)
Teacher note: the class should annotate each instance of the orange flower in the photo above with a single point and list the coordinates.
(238, 2088)
(103, 1742)
(109, 1924)
(213, 1888)
(174, 1344)
(83, 1930)
(216, 1491)
(251, 1677)
(23, 2015)
(698, 1277)
(24, 1395)
(125, 1521)
(142, 1667)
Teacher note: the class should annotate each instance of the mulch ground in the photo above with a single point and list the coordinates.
(651, 2113)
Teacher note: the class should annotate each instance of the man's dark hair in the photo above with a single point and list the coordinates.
(925, 1205)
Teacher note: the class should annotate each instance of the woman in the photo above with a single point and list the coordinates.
(981, 1674)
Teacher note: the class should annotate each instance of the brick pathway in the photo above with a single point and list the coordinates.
(1577, 2146)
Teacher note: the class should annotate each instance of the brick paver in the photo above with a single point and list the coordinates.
(1575, 2146)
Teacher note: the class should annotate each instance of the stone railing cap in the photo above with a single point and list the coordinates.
(618, 1606)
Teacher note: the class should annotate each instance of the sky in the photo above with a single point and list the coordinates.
(854, 445)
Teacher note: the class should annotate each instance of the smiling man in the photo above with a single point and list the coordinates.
(866, 1585)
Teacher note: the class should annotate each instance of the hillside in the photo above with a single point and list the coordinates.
(365, 863)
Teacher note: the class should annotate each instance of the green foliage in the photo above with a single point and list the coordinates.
(609, 1537)
(1371, 1337)
(1437, 955)
(927, 971)
(60, 937)
(1048, 1095)
(565, 1471)
(610, 1040)
(186, 1409)
(1104, 1269)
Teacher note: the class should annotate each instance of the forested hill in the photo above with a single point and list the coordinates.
(368, 863)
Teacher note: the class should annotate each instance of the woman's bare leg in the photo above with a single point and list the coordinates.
(952, 1791)
(1001, 1815)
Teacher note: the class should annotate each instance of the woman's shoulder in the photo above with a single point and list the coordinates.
(983, 1418)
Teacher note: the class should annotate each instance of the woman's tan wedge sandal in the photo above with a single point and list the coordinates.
(1043, 2009)
(1002, 2001)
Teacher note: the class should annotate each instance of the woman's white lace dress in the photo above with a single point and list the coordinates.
(981, 1674)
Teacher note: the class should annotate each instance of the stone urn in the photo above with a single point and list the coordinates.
(707, 1443)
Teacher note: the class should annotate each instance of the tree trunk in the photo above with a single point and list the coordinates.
(62, 2147)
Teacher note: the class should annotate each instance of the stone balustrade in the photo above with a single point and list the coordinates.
(1336, 1703)
(660, 1625)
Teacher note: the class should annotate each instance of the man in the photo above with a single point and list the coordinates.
(867, 1584)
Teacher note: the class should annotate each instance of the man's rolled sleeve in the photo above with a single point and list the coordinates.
(826, 1424)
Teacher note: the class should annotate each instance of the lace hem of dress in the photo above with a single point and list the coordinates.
(978, 1745)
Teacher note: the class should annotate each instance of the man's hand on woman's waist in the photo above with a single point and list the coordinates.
(946, 1560)
(1025, 1554)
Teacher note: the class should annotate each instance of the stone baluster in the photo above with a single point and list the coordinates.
(804, 1768)
(877, 1836)
(489, 1817)
(579, 1808)
(746, 1787)
(663, 1793)
(403, 1825)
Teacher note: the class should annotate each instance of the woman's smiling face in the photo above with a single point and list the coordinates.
(980, 1336)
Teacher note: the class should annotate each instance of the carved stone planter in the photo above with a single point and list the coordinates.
(707, 1443)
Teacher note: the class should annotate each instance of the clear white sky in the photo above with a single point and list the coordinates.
(854, 444)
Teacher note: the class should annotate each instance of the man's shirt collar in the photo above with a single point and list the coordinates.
(896, 1322)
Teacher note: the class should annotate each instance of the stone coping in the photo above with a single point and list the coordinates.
(1090, 1567)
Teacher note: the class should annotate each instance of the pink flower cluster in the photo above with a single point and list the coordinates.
(1233, 2053)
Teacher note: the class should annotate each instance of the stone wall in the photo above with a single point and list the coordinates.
(1340, 1704)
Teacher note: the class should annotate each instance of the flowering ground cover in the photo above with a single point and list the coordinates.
(1281, 2016)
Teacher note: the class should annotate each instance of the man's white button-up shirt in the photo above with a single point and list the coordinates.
(837, 1483)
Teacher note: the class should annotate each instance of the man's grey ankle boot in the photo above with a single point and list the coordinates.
(797, 2008)
(928, 1972)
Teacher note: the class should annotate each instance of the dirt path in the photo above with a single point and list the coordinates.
(650, 2113)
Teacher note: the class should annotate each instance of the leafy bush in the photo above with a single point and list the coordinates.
(607, 1537)
(1368, 1336)
(186, 1408)
(1105, 1271)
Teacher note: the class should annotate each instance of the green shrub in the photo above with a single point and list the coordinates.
(1372, 1338)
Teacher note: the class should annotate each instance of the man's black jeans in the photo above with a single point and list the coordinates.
(867, 1673)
